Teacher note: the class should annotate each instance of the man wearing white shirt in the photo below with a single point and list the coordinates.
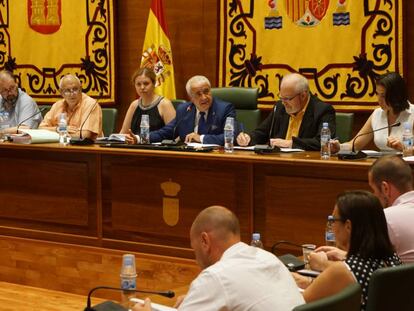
(235, 276)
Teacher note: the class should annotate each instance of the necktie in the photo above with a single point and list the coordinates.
(202, 126)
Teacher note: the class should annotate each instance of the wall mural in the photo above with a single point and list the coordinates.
(42, 40)
(341, 46)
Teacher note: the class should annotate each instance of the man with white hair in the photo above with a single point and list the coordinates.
(81, 110)
(16, 107)
(296, 120)
(202, 120)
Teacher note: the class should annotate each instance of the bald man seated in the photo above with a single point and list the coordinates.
(296, 119)
(235, 276)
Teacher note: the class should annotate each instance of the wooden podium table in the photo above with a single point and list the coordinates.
(145, 201)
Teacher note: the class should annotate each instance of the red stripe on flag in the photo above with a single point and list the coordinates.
(158, 10)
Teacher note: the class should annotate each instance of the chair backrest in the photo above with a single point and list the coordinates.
(45, 108)
(244, 100)
(109, 120)
(391, 288)
(349, 299)
(176, 102)
(344, 124)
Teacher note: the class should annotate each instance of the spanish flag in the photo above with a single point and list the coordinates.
(157, 50)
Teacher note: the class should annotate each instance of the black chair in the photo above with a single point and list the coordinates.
(391, 288)
(348, 299)
(244, 100)
(45, 108)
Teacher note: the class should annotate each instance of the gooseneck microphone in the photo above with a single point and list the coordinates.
(268, 148)
(83, 141)
(28, 118)
(173, 141)
(352, 155)
(168, 294)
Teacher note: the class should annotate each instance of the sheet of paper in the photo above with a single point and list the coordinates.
(154, 306)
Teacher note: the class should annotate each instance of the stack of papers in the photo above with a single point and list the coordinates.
(154, 306)
(29, 136)
(113, 138)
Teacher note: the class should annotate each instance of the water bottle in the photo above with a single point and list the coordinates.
(407, 139)
(256, 242)
(329, 234)
(229, 135)
(144, 129)
(62, 129)
(128, 278)
(325, 145)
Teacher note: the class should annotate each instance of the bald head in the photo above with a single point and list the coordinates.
(6, 75)
(69, 79)
(217, 219)
(296, 81)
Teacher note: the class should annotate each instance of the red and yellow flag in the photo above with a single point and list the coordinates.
(157, 50)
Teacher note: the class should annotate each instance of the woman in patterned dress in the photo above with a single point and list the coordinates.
(360, 229)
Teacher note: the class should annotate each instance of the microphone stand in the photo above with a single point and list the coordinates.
(84, 141)
(113, 306)
(263, 149)
(35, 114)
(352, 155)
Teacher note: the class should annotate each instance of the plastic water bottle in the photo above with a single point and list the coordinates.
(256, 242)
(229, 135)
(144, 129)
(407, 139)
(329, 234)
(325, 145)
(62, 129)
(128, 278)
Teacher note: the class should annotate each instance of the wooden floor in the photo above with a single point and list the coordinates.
(24, 298)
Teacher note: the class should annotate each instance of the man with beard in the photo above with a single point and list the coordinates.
(16, 107)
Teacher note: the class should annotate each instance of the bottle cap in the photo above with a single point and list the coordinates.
(256, 236)
(325, 124)
(128, 266)
(330, 217)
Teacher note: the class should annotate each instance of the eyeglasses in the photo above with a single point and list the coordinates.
(9, 90)
(198, 94)
(69, 92)
(332, 219)
(287, 99)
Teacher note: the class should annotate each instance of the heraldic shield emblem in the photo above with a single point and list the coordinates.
(44, 15)
(306, 12)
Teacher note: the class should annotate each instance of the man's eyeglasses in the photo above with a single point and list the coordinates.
(69, 92)
(9, 90)
(287, 99)
(332, 219)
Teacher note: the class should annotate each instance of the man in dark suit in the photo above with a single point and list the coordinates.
(296, 120)
(202, 120)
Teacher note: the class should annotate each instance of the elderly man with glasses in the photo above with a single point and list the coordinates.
(296, 120)
(16, 107)
(82, 112)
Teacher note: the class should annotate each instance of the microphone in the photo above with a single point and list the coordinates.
(290, 261)
(113, 306)
(35, 114)
(263, 149)
(173, 141)
(352, 155)
(84, 141)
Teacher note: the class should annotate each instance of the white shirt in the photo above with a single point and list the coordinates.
(245, 278)
(379, 119)
(400, 221)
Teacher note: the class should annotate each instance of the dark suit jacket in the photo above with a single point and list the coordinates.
(316, 113)
(184, 123)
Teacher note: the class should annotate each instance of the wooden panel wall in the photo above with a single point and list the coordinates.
(193, 31)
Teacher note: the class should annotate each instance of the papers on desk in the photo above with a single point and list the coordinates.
(113, 138)
(198, 145)
(409, 159)
(251, 148)
(154, 306)
(29, 136)
(378, 154)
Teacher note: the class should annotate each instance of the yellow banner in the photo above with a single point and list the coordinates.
(44, 40)
(340, 46)
(157, 53)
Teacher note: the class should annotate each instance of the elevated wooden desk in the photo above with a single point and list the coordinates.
(145, 201)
